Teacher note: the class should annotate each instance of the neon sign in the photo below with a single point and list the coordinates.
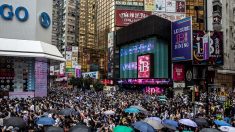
(146, 81)
(153, 90)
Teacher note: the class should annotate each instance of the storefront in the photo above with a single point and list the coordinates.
(144, 62)
(25, 50)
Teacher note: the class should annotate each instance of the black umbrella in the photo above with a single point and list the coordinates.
(201, 122)
(169, 127)
(54, 129)
(54, 111)
(66, 112)
(15, 122)
(80, 128)
(209, 130)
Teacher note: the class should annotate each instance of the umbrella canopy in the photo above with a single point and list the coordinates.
(45, 121)
(54, 111)
(170, 127)
(122, 129)
(15, 122)
(109, 112)
(201, 122)
(131, 110)
(54, 129)
(162, 97)
(143, 126)
(163, 100)
(170, 123)
(188, 122)
(139, 108)
(80, 128)
(66, 112)
(155, 124)
(227, 129)
(209, 130)
(155, 118)
(221, 123)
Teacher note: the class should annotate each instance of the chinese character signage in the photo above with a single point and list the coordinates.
(178, 72)
(181, 40)
(126, 17)
(207, 48)
(145, 66)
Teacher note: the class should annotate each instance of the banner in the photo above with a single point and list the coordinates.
(178, 72)
(207, 50)
(69, 55)
(62, 67)
(149, 5)
(144, 66)
(94, 75)
(182, 40)
(126, 17)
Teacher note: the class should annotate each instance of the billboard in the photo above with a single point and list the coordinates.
(94, 75)
(129, 56)
(178, 72)
(201, 47)
(144, 64)
(181, 40)
(149, 5)
(126, 17)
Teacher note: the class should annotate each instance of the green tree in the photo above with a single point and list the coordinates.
(98, 86)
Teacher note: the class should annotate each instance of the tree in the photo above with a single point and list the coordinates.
(98, 86)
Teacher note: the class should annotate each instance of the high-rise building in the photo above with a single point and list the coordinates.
(88, 55)
(195, 8)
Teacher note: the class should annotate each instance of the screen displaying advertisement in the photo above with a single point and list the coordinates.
(126, 17)
(145, 68)
(129, 56)
(178, 72)
(40, 79)
(182, 40)
(207, 51)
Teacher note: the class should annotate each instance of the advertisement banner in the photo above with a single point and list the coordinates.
(160, 5)
(170, 6)
(207, 51)
(62, 67)
(178, 72)
(94, 75)
(69, 55)
(178, 85)
(74, 49)
(68, 48)
(149, 5)
(40, 79)
(126, 17)
(180, 6)
(68, 64)
(181, 40)
(144, 66)
(78, 72)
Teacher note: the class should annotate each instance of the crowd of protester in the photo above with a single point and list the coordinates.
(90, 107)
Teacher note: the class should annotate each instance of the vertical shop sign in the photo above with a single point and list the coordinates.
(178, 72)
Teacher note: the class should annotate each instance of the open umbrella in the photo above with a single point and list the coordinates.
(139, 108)
(155, 118)
(221, 123)
(227, 129)
(188, 122)
(45, 121)
(66, 112)
(80, 128)
(168, 122)
(131, 110)
(122, 129)
(155, 124)
(209, 130)
(143, 126)
(109, 112)
(54, 129)
(15, 122)
(201, 122)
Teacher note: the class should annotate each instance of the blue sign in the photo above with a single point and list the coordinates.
(9, 15)
(45, 20)
(182, 40)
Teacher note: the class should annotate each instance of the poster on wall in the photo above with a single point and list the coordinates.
(126, 17)
(178, 72)
(144, 65)
(69, 55)
(201, 47)
(40, 79)
(149, 5)
(62, 69)
(170, 6)
(182, 40)
(160, 5)
(180, 6)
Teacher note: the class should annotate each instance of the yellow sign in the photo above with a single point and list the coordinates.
(149, 5)
(68, 64)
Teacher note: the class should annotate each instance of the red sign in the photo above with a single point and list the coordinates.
(153, 90)
(180, 6)
(126, 17)
(144, 66)
(178, 72)
(107, 82)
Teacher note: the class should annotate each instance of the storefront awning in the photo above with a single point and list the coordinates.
(29, 48)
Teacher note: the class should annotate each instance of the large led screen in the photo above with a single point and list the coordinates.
(129, 54)
(145, 66)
